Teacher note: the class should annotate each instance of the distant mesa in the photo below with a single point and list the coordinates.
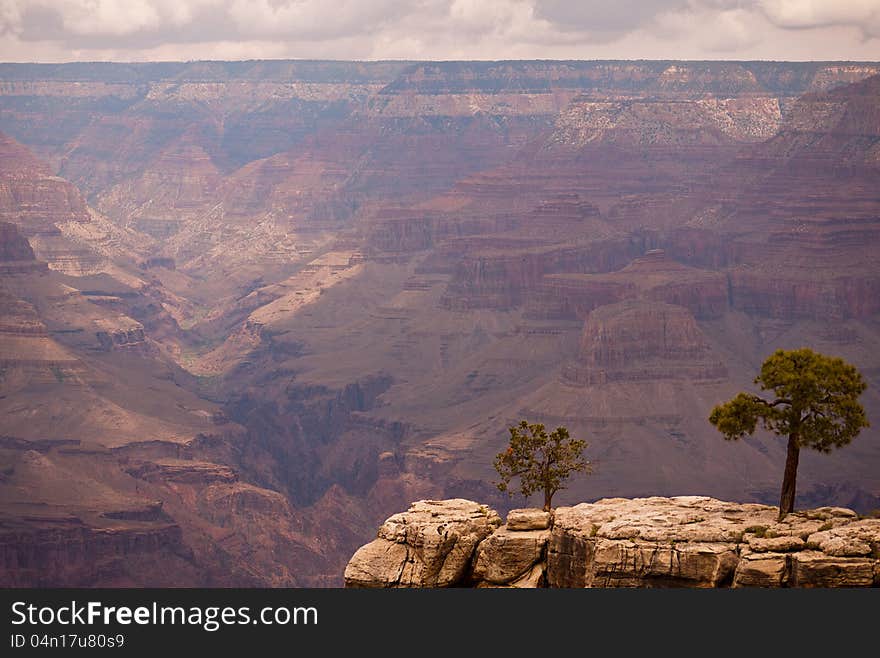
(638, 340)
(163, 262)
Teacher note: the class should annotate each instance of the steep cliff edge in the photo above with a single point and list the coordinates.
(684, 541)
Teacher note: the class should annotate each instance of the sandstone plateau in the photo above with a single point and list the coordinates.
(248, 310)
(684, 541)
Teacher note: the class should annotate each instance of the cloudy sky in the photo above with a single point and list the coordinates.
(137, 30)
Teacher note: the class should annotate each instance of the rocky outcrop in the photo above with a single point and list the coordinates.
(120, 334)
(16, 254)
(684, 541)
(512, 556)
(31, 196)
(27, 347)
(429, 545)
(182, 471)
(13, 245)
(40, 204)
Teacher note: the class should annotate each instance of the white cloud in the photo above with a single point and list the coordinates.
(439, 29)
(806, 14)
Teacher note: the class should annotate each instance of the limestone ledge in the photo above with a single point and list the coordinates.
(684, 541)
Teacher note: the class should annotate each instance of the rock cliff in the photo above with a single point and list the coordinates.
(31, 196)
(684, 541)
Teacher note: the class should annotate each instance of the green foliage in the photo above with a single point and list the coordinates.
(815, 404)
(815, 399)
(541, 461)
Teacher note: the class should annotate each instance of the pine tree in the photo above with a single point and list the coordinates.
(815, 404)
(541, 461)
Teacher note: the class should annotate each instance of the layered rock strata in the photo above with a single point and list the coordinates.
(683, 541)
(639, 340)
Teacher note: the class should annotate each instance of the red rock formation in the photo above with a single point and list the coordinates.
(500, 278)
(30, 196)
(65, 552)
(16, 254)
(13, 246)
(793, 294)
(181, 181)
(19, 317)
(640, 340)
(652, 276)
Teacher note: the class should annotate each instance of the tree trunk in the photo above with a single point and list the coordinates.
(548, 496)
(789, 479)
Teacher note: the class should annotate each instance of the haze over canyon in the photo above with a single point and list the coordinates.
(248, 310)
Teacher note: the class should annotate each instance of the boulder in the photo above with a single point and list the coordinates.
(506, 554)
(626, 563)
(761, 570)
(816, 569)
(856, 539)
(534, 578)
(528, 519)
(775, 544)
(429, 545)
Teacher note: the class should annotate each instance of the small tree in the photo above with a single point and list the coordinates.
(815, 404)
(541, 461)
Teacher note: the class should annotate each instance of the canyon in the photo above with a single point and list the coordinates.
(251, 309)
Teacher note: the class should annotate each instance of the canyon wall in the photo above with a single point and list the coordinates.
(251, 307)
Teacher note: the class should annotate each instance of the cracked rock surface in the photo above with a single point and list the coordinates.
(684, 541)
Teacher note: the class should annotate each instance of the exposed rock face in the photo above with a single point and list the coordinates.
(13, 245)
(39, 204)
(640, 340)
(31, 196)
(16, 254)
(686, 541)
(801, 294)
(65, 552)
(430, 545)
(528, 519)
(653, 121)
(500, 277)
(653, 276)
(123, 334)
